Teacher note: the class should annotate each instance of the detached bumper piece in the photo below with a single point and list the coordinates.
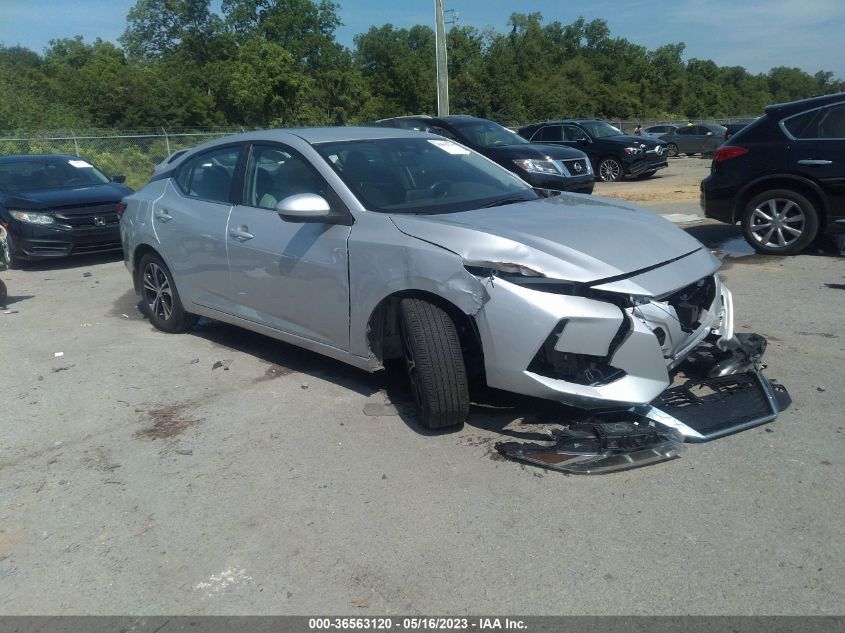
(599, 447)
(702, 410)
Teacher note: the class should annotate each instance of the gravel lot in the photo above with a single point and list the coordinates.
(137, 479)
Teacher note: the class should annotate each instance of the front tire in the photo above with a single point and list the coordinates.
(610, 170)
(780, 222)
(672, 150)
(160, 300)
(435, 364)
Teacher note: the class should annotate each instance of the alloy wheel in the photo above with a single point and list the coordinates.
(157, 291)
(610, 170)
(777, 223)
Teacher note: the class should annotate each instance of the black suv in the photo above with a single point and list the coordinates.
(547, 169)
(783, 176)
(613, 153)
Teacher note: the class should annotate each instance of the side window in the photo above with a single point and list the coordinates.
(442, 132)
(800, 125)
(832, 122)
(687, 131)
(550, 133)
(572, 133)
(209, 176)
(275, 172)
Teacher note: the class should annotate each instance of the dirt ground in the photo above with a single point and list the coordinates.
(677, 183)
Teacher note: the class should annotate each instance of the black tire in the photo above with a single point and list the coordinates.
(4, 293)
(435, 364)
(672, 150)
(163, 308)
(795, 225)
(610, 169)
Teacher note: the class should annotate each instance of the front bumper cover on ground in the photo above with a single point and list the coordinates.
(698, 410)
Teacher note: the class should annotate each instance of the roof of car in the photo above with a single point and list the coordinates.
(804, 104)
(33, 157)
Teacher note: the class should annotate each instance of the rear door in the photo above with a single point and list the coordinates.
(290, 276)
(190, 222)
(819, 151)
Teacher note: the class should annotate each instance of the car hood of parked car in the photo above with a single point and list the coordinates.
(525, 150)
(65, 196)
(574, 238)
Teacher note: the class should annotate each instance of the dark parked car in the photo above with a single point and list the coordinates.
(614, 154)
(58, 205)
(783, 176)
(733, 128)
(545, 168)
(695, 139)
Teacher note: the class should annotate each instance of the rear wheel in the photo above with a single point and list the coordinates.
(672, 150)
(3, 294)
(610, 170)
(780, 222)
(161, 302)
(435, 364)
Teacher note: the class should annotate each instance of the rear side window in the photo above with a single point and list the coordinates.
(832, 122)
(551, 133)
(801, 125)
(209, 175)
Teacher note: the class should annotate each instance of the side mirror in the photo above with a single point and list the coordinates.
(583, 141)
(304, 207)
(710, 134)
(118, 178)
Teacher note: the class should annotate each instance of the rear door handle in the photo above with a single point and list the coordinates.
(241, 233)
(162, 215)
(814, 162)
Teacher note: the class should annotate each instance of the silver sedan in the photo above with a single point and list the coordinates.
(371, 244)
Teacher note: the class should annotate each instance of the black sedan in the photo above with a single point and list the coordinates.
(549, 170)
(613, 153)
(58, 205)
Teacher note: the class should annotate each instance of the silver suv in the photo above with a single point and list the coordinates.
(369, 244)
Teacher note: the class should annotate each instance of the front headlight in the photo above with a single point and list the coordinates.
(537, 166)
(633, 151)
(32, 217)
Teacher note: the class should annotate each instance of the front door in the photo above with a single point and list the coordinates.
(290, 276)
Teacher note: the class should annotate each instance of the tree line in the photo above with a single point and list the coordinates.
(260, 63)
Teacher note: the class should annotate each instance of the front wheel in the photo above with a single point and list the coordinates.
(435, 364)
(3, 294)
(780, 222)
(161, 302)
(672, 150)
(610, 170)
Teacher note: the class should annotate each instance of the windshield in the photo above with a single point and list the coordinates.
(487, 134)
(421, 175)
(600, 129)
(49, 172)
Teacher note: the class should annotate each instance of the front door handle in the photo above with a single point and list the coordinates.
(814, 162)
(162, 215)
(241, 233)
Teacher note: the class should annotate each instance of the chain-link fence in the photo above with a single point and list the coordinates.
(132, 153)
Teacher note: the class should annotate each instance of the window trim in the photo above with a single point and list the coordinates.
(235, 176)
(791, 137)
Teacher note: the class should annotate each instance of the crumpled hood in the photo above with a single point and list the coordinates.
(570, 237)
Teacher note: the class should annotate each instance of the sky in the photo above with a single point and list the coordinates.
(756, 34)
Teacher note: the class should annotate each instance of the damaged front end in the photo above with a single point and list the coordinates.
(654, 372)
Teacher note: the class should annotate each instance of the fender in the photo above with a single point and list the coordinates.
(803, 180)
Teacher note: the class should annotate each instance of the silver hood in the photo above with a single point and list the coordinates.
(574, 238)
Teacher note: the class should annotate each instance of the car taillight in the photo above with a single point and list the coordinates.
(120, 208)
(726, 152)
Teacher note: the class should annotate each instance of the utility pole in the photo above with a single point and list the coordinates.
(442, 67)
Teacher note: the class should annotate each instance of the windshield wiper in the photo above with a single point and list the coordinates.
(504, 201)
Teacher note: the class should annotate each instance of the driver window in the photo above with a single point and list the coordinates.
(572, 133)
(275, 173)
